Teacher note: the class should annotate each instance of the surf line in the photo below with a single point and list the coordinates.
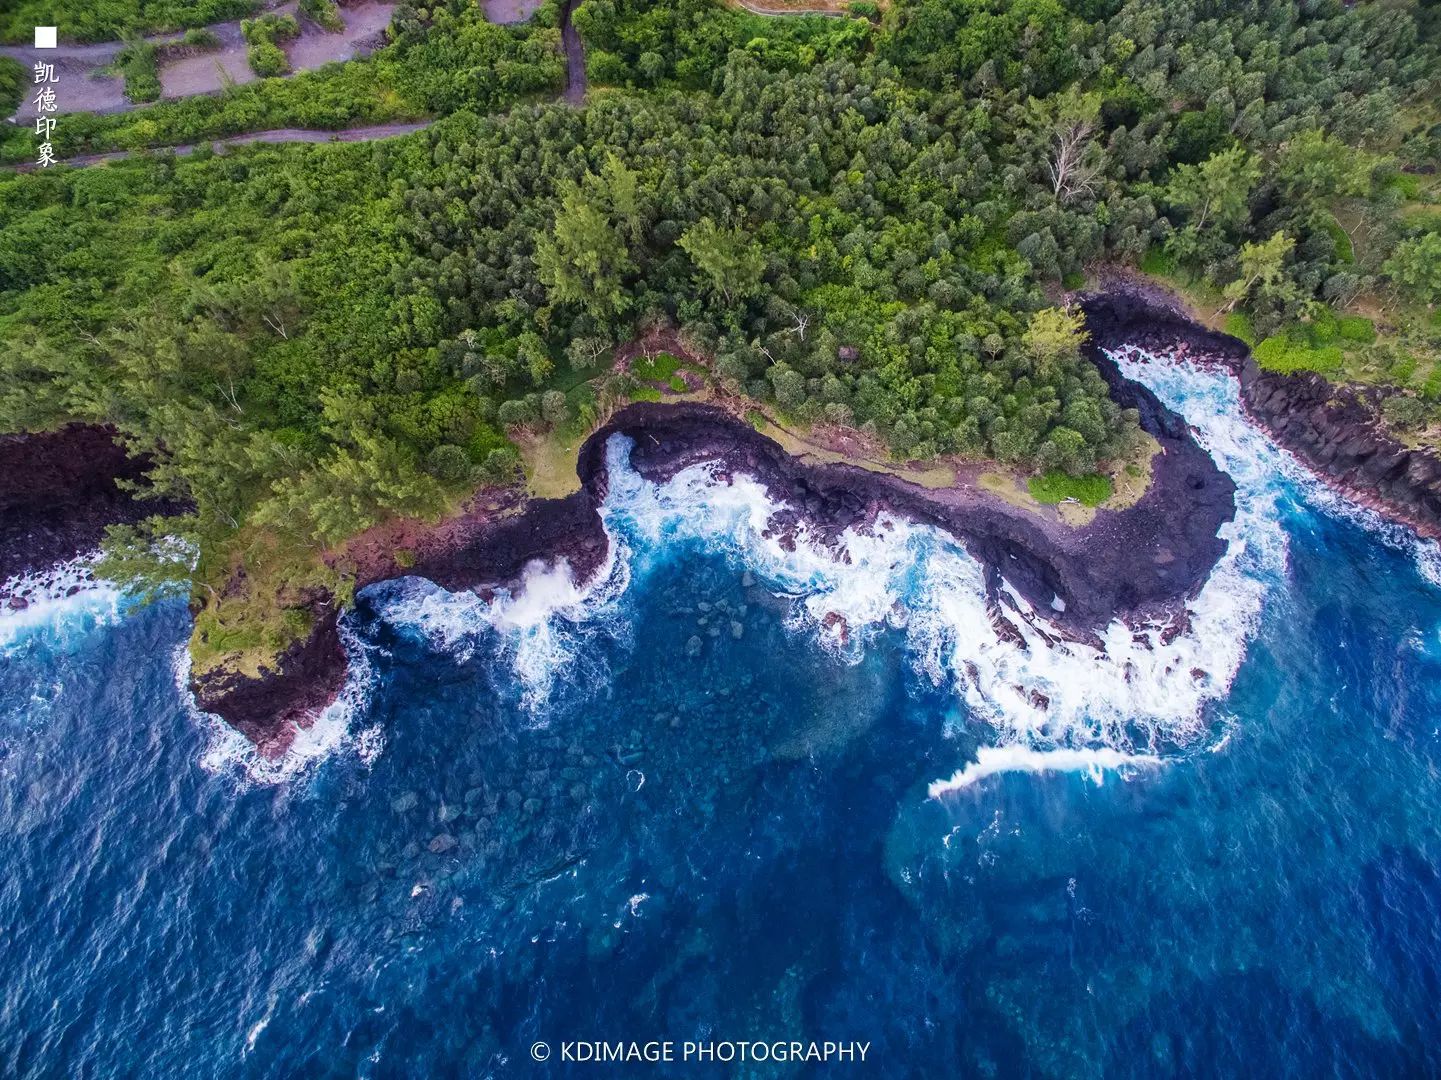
(993, 760)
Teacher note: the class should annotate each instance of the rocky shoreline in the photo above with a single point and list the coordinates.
(1139, 564)
(59, 491)
(1332, 428)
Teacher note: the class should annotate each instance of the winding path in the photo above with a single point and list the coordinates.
(81, 86)
(761, 9)
(574, 94)
(276, 135)
(575, 83)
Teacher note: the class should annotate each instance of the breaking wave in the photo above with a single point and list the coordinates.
(542, 624)
(1146, 688)
(1144, 691)
(57, 607)
(992, 760)
(334, 731)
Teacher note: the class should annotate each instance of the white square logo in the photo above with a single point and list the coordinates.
(45, 37)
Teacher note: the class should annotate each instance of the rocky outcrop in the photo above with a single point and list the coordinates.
(58, 492)
(1138, 562)
(1333, 428)
(1336, 431)
(302, 681)
(310, 673)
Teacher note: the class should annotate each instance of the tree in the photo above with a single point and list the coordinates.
(1314, 165)
(1074, 162)
(1052, 336)
(1263, 272)
(1217, 191)
(584, 260)
(1415, 268)
(730, 264)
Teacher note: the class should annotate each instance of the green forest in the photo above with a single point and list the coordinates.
(866, 221)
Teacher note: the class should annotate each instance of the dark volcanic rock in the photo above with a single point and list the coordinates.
(305, 679)
(1136, 561)
(1336, 430)
(58, 492)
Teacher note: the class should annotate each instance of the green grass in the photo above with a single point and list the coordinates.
(1238, 325)
(1055, 487)
(658, 368)
(1157, 262)
(1356, 328)
(1287, 353)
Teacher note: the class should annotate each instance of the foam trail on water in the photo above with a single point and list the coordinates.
(333, 732)
(991, 760)
(61, 606)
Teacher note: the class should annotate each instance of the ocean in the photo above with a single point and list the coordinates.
(733, 794)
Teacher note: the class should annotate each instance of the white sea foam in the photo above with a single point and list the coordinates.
(1093, 762)
(1210, 401)
(1051, 703)
(333, 732)
(62, 605)
(540, 623)
(1139, 690)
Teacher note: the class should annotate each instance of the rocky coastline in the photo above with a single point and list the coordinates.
(59, 491)
(1139, 564)
(1334, 430)
(1331, 428)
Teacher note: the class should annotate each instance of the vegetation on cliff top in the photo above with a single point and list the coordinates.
(863, 222)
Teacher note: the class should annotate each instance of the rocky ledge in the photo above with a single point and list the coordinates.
(1332, 428)
(1336, 430)
(58, 492)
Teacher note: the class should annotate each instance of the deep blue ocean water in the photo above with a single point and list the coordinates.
(674, 807)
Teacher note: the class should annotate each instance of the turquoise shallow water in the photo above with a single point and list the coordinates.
(673, 807)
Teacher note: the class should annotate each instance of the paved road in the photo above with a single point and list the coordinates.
(575, 85)
(574, 93)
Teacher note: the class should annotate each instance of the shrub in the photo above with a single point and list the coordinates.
(14, 81)
(324, 13)
(1284, 353)
(1403, 412)
(449, 464)
(201, 38)
(1357, 329)
(137, 64)
(270, 27)
(1054, 487)
(267, 59)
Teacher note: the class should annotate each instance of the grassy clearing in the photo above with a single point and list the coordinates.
(661, 367)
(1057, 487)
